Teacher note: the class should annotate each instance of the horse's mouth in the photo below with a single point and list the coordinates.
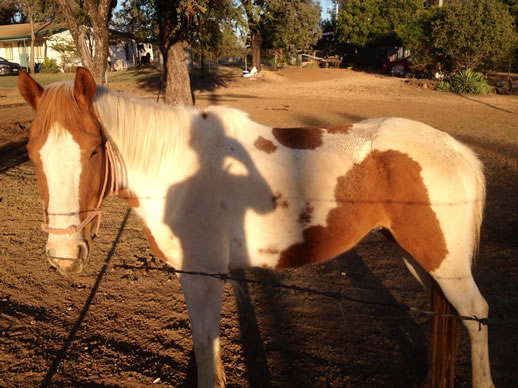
(70, 265)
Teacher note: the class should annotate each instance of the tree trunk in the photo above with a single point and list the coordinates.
(256, 49)
(202, 60)
(178, 83)
(85, 53)
(100, 57)
(31, 20)
(94, 58)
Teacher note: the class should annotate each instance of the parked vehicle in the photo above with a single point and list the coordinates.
(9, 68)
(399, 67)
(402, 68)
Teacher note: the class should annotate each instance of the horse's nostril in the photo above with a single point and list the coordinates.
(83, 251)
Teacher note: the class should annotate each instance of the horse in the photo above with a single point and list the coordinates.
(216, 191)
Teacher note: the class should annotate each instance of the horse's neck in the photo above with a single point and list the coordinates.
(147, 138)
(149, 165)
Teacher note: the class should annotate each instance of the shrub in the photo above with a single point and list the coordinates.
(49, 65)
(444, 86)
(466, 82)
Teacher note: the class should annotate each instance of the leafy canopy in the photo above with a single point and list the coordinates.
(291, 25)
(474, 34)
(363, 22)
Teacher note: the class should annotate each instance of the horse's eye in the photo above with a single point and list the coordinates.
(93, 154)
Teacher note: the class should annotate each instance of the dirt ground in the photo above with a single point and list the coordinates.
(123, 323)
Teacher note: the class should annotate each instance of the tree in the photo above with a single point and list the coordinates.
(68, 51)
(216, 32)
(137, 17)
(256, 15)
(88, 23)
(232, 43)
(32, 11)
(292, 25)
(513, 9)
(363, 22)
(175, 20)
(474, 34)
(177, 24)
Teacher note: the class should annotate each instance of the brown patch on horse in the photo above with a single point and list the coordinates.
(305, 215)
(129, 197)
(278, 201)
(385, 189)
(338, 129)
(299, 138)
(153, 245)
(265, 145)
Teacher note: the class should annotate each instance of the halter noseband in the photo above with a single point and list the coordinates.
(96, 212)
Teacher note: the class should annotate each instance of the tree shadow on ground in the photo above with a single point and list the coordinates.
(488, 105)
(151, 80)
(12, 155)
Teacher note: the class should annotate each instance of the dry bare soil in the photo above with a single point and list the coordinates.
(123, 323)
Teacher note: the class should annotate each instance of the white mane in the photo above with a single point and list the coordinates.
(146, 133)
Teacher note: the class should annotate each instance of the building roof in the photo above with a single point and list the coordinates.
(23, 31)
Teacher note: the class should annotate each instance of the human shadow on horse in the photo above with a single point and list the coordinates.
(201, 223)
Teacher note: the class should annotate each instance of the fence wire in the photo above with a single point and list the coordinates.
(336, 295)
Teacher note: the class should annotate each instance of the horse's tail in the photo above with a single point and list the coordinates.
(479, 199)
(443, 341)
(444, 331)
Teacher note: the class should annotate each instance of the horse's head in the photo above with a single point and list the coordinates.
(66, 146)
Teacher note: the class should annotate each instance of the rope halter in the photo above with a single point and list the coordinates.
(109, 169)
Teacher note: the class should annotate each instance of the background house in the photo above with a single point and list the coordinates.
(15, 44)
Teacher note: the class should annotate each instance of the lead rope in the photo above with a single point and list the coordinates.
(110, 167)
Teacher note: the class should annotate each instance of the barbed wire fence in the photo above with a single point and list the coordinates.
(340, 295)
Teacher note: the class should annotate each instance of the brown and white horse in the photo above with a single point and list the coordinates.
(217, 191)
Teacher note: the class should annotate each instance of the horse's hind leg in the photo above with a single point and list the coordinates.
(446, 257)
(203, 296)
(465, 296)
(460, 290)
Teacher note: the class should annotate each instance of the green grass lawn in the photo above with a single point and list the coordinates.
(145, 76)
(11, 81)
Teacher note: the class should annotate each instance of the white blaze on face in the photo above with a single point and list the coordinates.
(61, 160)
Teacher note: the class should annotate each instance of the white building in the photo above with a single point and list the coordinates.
(15, 42)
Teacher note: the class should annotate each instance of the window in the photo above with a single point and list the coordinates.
(38, 52)
(8, 51)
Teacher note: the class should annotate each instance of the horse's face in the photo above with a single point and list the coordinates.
(66, 147)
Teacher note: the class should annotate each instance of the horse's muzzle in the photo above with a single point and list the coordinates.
(69, 265)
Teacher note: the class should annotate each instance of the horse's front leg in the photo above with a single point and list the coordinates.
(203, 296)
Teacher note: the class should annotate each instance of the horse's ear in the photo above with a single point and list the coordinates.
(30, 90)
(84, 88)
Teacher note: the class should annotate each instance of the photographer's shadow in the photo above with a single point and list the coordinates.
(206, 211)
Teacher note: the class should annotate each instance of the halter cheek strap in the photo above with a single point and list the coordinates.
(96, 212)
